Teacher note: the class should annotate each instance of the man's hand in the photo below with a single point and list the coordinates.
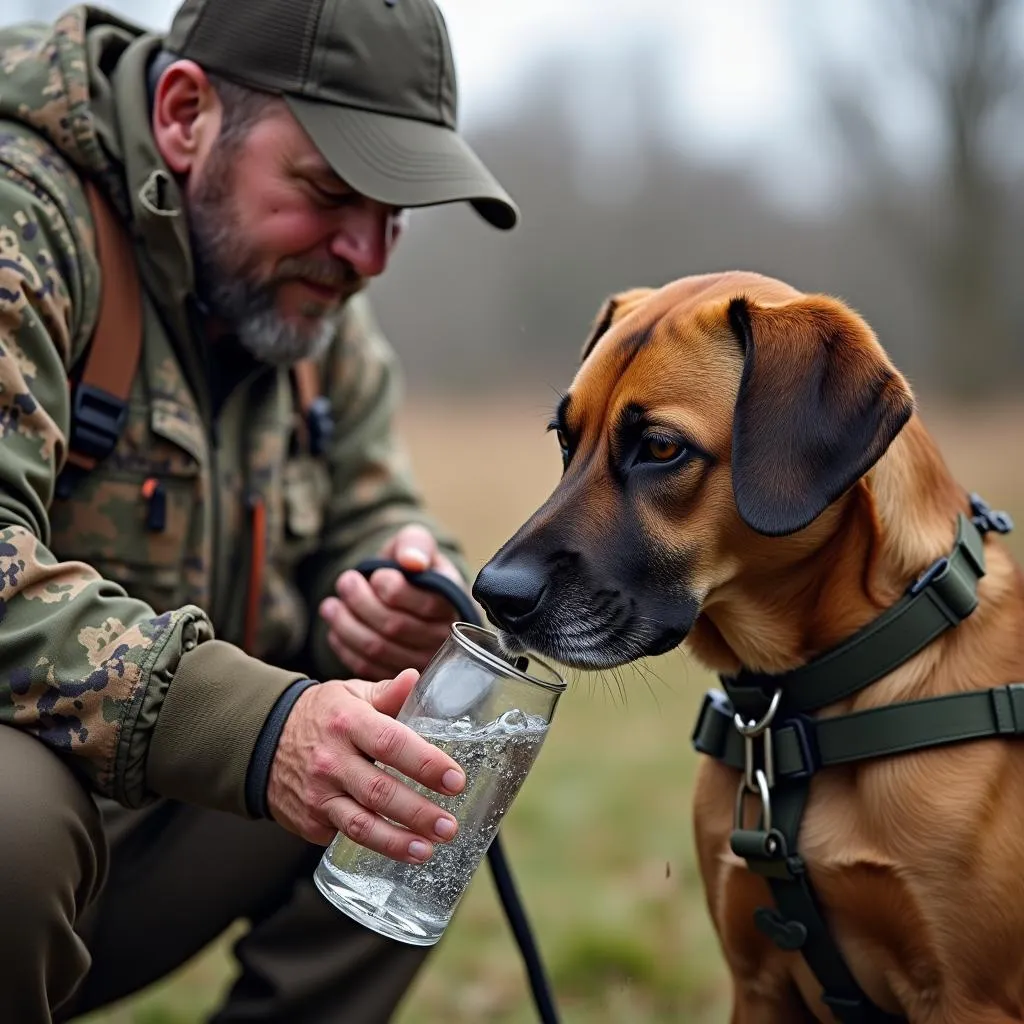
(384, 624)
(323, 779)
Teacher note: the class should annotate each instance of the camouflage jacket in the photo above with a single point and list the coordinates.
(107, 615)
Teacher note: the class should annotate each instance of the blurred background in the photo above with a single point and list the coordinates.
(872, 150)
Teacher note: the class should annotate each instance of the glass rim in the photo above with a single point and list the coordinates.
(459, 632)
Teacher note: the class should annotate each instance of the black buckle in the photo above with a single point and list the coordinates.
(709, 734)
(986, 518)
(806, 731)
(97, 420)
(320, 423)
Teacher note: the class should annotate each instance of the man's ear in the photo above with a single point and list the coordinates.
(186, 115)
(819, 403)
(615, 308)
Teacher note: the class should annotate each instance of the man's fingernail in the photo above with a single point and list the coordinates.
(445, 828)
(452, 780)
(419, 850)
(417, 556)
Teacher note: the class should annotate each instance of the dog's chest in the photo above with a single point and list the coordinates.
(910, 860)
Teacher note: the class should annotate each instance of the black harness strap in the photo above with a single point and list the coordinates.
(764, 726)
(804, 745)
(942, 597)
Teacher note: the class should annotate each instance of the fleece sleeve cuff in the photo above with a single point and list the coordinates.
(215, 708)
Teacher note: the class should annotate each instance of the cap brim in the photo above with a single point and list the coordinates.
(402, 161)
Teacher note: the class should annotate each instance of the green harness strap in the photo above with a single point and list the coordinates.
(763, 726)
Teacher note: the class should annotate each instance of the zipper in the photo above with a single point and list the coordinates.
(213, 437)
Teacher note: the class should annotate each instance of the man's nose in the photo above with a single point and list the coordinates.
(364, 237)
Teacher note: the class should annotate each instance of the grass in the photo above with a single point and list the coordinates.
(600, 838)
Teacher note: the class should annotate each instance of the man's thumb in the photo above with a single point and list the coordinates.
(415, 548)
(389, 695)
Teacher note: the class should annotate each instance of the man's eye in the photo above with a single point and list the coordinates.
(328, 198)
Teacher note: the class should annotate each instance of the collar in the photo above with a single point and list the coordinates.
(940, 598)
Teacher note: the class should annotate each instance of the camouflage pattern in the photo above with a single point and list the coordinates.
(97, 606)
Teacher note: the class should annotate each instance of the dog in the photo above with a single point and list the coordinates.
(746, 473)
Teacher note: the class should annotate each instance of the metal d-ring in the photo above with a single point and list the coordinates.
(758, 780)
(751, 729)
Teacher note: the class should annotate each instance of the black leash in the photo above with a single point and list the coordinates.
(507, 893)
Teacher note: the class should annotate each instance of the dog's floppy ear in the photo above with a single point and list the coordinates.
(819, 403)
(614, 309)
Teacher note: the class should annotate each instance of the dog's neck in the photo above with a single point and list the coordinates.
(817, 588)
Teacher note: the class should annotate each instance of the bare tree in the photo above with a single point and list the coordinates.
(955, 223)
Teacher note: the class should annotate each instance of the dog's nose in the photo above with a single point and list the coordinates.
(510, 593)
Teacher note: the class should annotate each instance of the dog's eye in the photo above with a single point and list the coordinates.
(661, 449)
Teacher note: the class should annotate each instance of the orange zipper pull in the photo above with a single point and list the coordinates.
(156, 505)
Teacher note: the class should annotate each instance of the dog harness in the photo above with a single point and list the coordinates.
(764, 726)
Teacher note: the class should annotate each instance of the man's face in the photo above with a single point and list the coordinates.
(280, 241)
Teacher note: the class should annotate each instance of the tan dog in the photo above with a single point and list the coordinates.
(745, 471)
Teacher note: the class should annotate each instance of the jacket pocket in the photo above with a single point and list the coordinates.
(306, 487)
(137, 517)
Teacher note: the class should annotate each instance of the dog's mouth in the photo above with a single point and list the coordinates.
(592, 642)
(586, 613)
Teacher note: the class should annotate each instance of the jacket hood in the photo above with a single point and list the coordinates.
(82, 83)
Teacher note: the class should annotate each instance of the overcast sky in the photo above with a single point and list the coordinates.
(736, 83)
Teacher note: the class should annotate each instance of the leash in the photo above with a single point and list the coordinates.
(764, 726)
(500, 871)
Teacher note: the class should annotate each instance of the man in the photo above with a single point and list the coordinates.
(194, 685)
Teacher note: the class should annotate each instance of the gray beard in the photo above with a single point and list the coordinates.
(259, 327)
(233, 295)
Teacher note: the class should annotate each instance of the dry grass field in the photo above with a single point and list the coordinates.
(600, 837)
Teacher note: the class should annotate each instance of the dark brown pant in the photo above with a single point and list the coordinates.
(96, 902)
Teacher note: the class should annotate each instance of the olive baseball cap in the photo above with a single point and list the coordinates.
(371, 81)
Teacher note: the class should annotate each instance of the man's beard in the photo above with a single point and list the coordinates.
(229, 286)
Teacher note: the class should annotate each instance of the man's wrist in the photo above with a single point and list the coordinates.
(258, 775)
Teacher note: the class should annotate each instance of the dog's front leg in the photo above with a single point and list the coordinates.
(749, 1007)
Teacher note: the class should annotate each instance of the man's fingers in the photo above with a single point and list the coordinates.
(370, 601)
(379, 791)
(379, 737)
(389, 695)
(413, 547)
(385, 695)
(373, 649)
(368, 829)
(397, 595)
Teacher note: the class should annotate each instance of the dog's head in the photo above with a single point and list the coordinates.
(709, 420)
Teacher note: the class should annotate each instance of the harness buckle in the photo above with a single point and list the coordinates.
(928, 577)
(951, 587)
(97, 420)
(986, 518)
(713, 721)
(805, 729)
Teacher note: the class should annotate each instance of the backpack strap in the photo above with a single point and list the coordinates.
(99, 398)
(317, 420)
